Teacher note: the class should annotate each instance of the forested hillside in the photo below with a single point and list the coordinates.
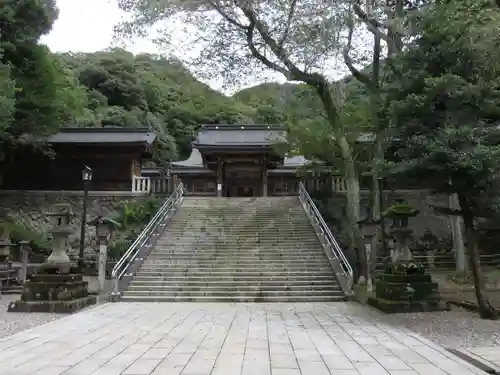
(41, 91)
(145, 90)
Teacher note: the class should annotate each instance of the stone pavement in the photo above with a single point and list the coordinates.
(487, 355)
(225, 339)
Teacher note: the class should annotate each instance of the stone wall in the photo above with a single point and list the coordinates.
(28, 209)
(420, 199)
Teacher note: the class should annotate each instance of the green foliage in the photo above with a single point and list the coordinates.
(399, 210)
(134, 213)
(406, 268)
(40, 244)
(460, 278)
(133, 216)
(445, 107)
(35, 97)
(124, 90)
(120, 247)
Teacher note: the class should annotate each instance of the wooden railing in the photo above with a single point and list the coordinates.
(151, 185)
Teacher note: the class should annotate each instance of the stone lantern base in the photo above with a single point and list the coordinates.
(50, 290)
(405, 293)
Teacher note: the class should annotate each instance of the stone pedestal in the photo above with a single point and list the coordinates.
(56, 287)
(8, 279)
(399, 293)
(404, 286)
(53, 293)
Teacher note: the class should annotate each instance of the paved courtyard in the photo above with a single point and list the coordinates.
(224, 339)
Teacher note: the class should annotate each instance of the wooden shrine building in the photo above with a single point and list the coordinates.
(239, 161)
(115, 155)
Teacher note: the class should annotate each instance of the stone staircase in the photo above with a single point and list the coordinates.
(237, 250)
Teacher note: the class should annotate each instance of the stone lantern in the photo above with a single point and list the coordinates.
(400, 213)
(55, 288)
(429, 242)
(404, 286)
(5, 244)
(105, 228)
(60, 232)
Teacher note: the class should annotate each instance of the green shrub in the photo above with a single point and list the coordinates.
(40, 243)
(460, 278)
(134, 213)
(409, 268)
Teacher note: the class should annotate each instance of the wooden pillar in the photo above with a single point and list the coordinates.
(219, 178)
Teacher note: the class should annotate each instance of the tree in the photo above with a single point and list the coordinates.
(28, 77)
(384, 21)
(445, 112)
(296, 38)
(7, 94)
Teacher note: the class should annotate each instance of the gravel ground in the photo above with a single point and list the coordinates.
(458, 328)
(454, 329)
(11, 323)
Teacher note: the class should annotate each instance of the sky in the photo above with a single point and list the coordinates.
(87, 26)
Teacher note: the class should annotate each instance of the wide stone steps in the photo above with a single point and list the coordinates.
(233, 274)
(238, 246)
(208, 282)
(290, 274)
(244, 252)
(235, 293)
(234, 288)
(258, 265)
(155, 278)
(281, 298)
(233, 261)
(263, 233)
(236, 250)
(173, 259)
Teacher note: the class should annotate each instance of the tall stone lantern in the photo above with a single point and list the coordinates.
(404, 286)
(4, 244)
(4, 237)
(56, 287)
(400, 213)
(61, 215)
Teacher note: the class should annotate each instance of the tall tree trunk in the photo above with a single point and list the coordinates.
(353, 202)
(378, 157)
(486, 310)
(350, 171)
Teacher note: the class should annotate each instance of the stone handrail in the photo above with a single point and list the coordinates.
(130, 262)
(339, 262)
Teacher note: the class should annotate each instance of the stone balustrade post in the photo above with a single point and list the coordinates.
(105, 228)
(25, 250)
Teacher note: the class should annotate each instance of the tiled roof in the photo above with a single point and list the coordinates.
(195, 161)
(103, 135)
(240, 135)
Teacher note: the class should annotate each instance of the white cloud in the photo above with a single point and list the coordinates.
(87, 26)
